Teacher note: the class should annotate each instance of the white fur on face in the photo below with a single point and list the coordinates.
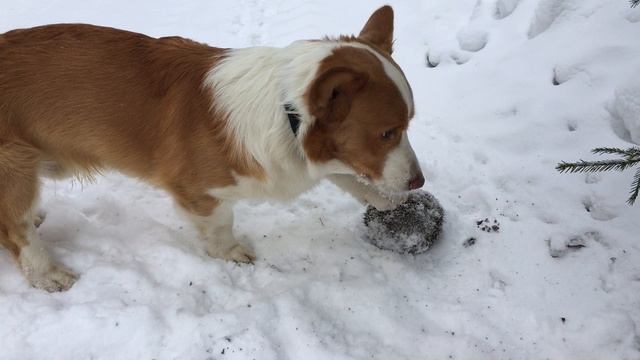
(400, 167)
(331, 167)
(394, 74)
(401, 164)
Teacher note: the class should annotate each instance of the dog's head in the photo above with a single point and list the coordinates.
(362, 105)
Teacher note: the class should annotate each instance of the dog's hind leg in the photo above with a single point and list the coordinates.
(54, 170)
(19, 186)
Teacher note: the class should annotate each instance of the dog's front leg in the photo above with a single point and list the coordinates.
(367, 194)
(216, 231)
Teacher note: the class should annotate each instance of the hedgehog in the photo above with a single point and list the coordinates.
(411, 228)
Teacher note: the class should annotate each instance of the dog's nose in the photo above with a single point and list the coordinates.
(417, 182)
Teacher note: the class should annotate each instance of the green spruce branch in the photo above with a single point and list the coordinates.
(629, 158)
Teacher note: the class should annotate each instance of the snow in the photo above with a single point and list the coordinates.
(560, 280)
(472, 40)
(626, 107)
(504, 8)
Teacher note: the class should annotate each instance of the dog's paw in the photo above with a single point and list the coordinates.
(57, 278)
(384, 203)
(39, 218)
(238, 253)
(241, 254)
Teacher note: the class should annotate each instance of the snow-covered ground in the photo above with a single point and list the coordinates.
(504, 90)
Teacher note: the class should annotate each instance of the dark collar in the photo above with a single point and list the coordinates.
(294, 117)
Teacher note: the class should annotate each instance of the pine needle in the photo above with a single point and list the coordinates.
(635, 188)
(630, 158)
(608, 150)
(595, 166)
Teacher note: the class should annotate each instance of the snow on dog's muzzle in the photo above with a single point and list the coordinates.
(401, 170)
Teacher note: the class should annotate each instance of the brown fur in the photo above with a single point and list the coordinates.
(355, 102)
(79, 98)
(379, 29)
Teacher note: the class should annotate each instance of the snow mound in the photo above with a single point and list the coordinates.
(633, 17)
(471, 39)
(547, 12)
(504, 8)
(626, 106)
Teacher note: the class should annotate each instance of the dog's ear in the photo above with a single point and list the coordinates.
(379, 29)
(332, 93)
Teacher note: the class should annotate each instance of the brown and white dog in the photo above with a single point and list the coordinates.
(209, 125)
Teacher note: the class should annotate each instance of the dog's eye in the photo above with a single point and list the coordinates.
(388, 135)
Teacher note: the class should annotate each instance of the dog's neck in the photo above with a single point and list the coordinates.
(253, 87)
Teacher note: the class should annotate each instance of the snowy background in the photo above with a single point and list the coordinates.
(504, 90)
